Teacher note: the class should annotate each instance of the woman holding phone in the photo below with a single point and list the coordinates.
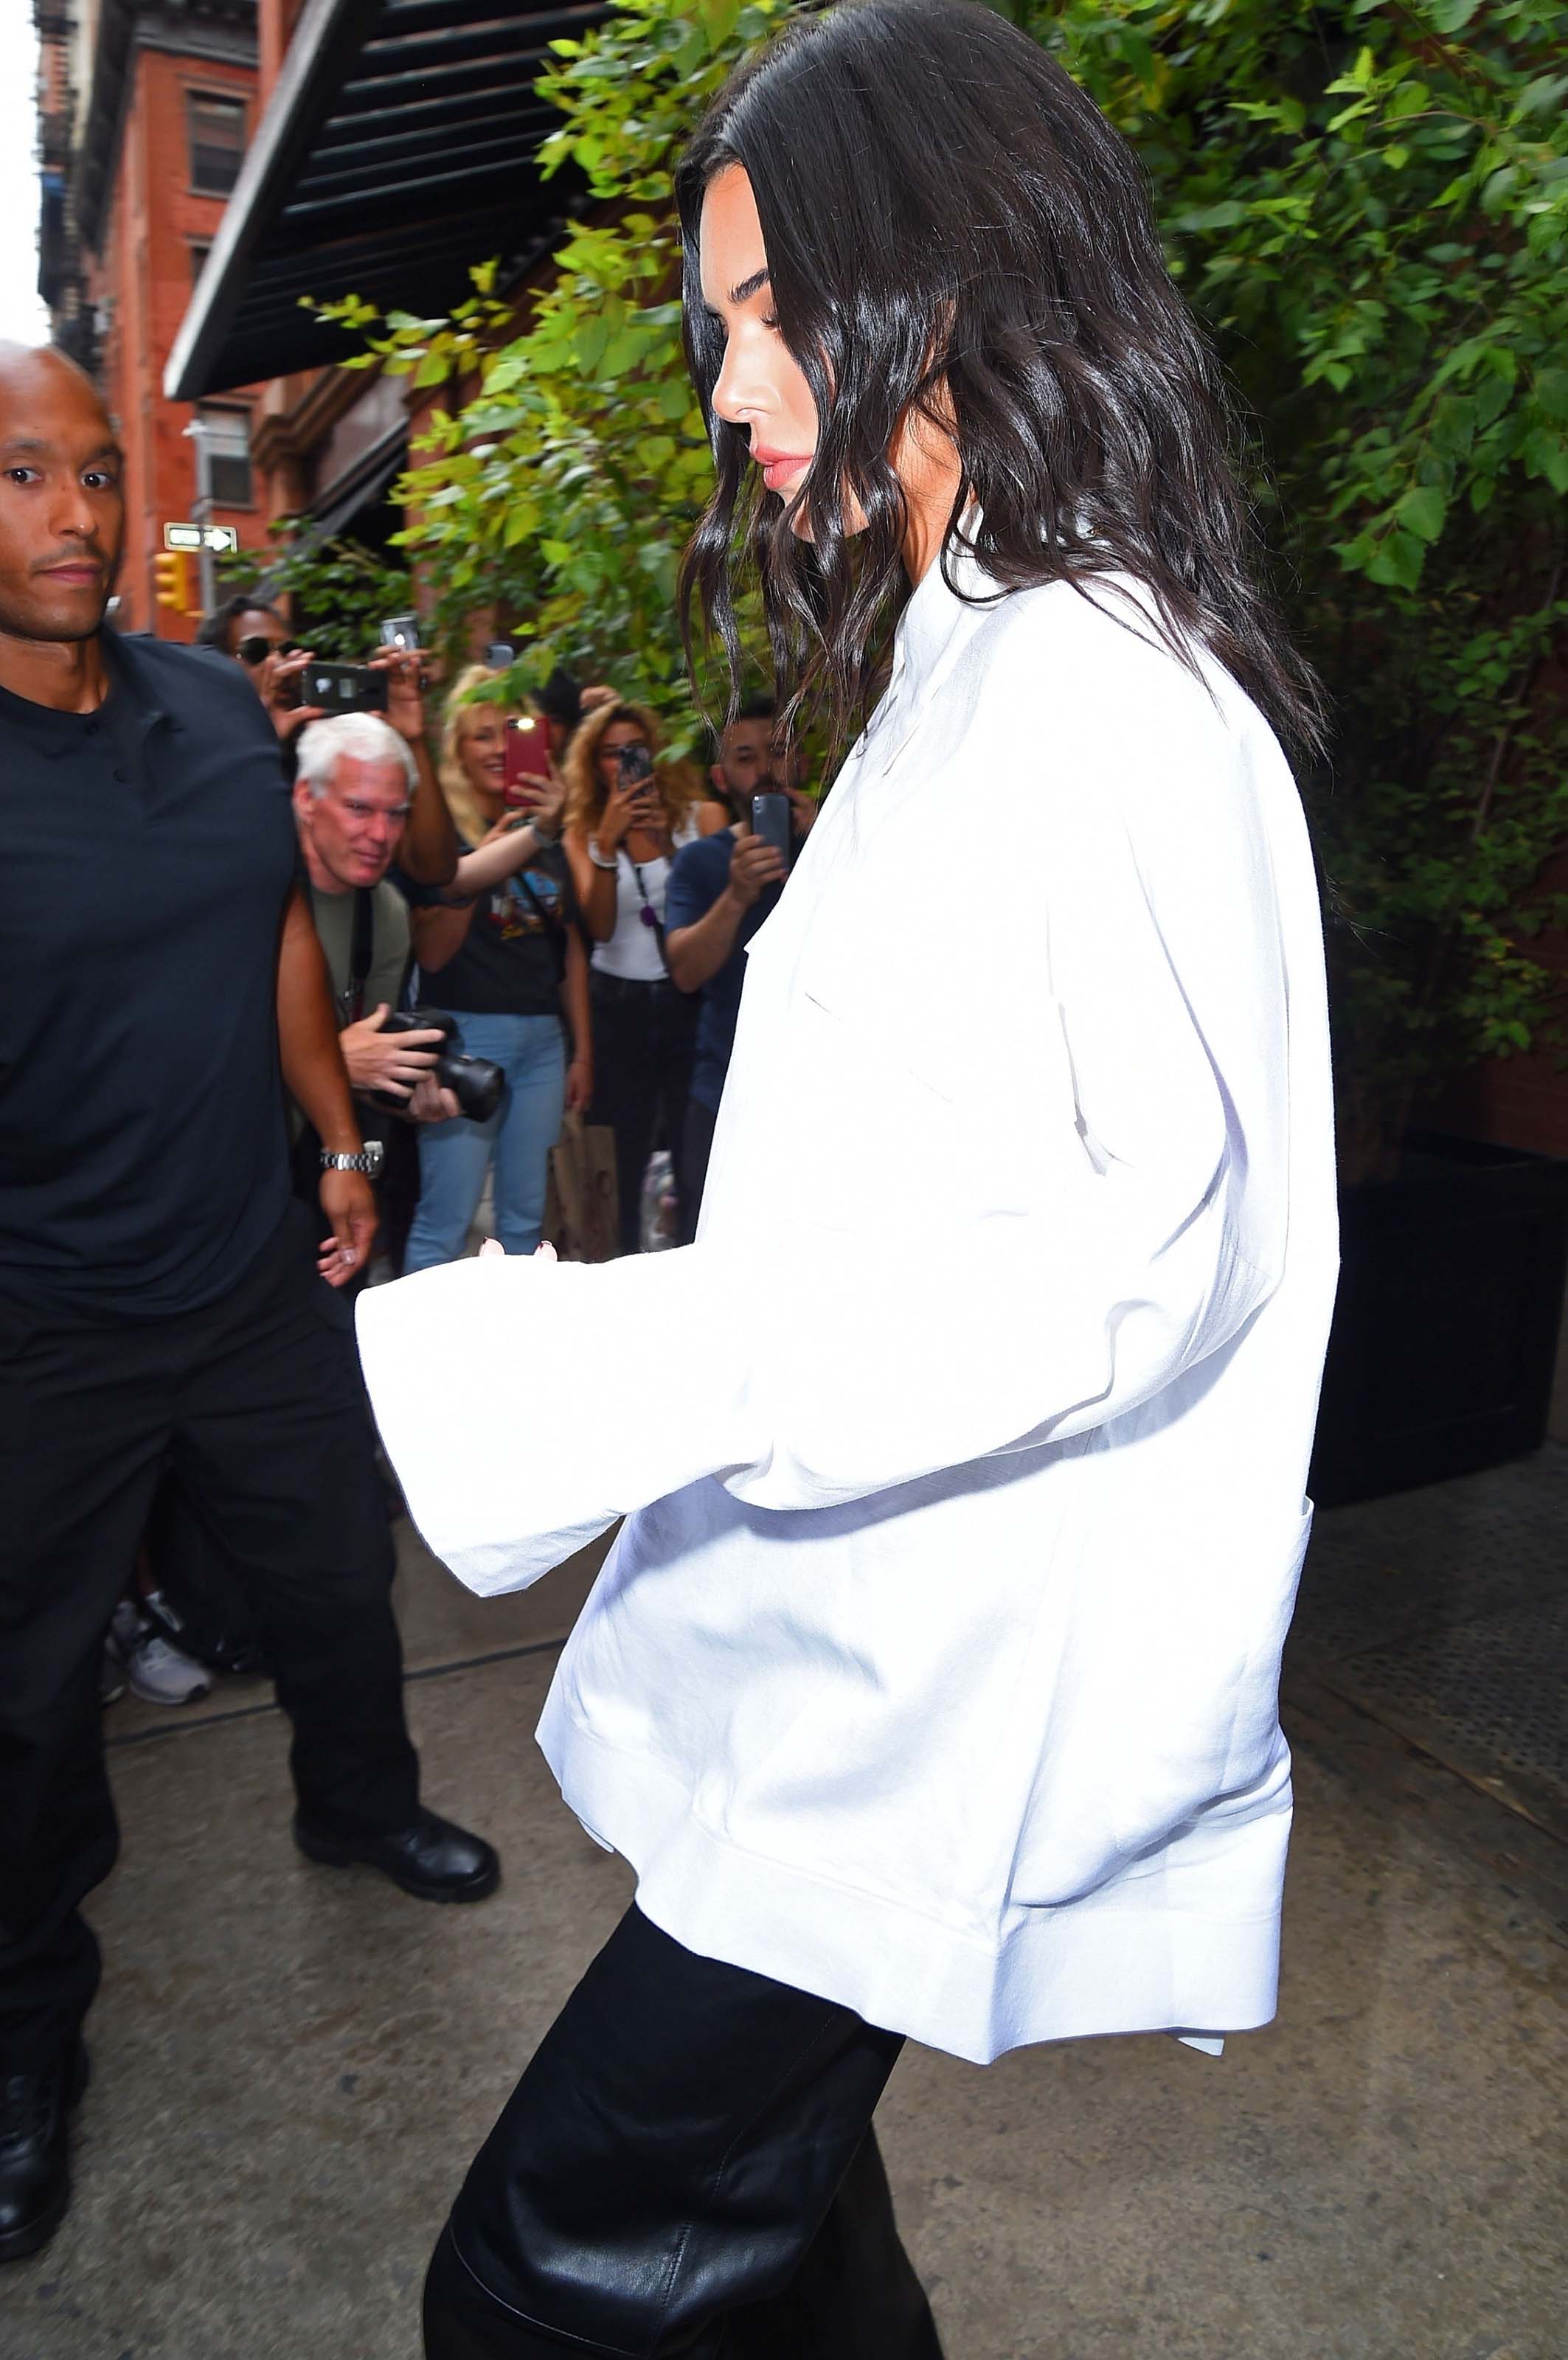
(931, 1685)
(626, 817)
(500, 948)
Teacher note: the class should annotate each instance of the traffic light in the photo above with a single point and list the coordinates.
(171, 574)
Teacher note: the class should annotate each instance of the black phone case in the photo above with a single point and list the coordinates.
(343, 688)
(770, 821)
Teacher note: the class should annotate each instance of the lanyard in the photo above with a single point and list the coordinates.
(648, 913)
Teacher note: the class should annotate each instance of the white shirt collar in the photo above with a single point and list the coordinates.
(936, 612)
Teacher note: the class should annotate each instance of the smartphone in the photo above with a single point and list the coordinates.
(401, 631)
(771, 822)
(525, 752)
(343, 688)
(636, 763)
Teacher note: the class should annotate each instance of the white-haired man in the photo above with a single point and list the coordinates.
(353, 791)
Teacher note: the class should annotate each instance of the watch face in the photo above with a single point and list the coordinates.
(375, 1156)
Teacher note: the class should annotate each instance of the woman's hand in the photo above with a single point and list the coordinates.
(275, 681)
(579, 1086)
(550, 803)
(626, 807)
(405, 691)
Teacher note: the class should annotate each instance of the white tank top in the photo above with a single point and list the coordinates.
(633, 951)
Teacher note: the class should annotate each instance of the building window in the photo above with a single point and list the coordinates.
(198, 261)
(215, 129)
(226, 433)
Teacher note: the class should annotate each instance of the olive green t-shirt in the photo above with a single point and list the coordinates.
(389, 941)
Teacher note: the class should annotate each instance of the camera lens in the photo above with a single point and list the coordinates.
(474, 1082)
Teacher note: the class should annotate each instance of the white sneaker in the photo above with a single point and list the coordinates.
(158, 1673)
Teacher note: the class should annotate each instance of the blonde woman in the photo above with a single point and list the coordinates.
(501, 948)
(627, 816)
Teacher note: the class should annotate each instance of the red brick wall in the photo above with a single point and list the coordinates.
(275, 23)
(145, 272)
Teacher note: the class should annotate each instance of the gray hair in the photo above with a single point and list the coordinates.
(364, 737)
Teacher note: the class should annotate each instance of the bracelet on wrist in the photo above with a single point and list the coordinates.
(598, 857)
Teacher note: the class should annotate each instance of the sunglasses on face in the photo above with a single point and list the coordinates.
(256, 648)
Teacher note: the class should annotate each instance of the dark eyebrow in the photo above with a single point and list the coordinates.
(749, 286)
(22, 443)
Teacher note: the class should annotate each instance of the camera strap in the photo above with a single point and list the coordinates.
(362, 949)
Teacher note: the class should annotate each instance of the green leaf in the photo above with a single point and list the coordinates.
(1545, 453)
(1398, 560)
(1551, 391)
(1421, 512)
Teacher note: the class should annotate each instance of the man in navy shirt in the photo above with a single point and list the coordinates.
(161, 1303)
(720, 889)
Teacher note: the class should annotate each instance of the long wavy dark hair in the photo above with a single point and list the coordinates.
(953, 231)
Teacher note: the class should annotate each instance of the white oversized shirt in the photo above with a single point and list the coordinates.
(934, 1668)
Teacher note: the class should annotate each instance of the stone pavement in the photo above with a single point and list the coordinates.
(293, 2066)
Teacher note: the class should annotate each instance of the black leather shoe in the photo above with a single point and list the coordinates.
(433, 1859)
(35, 2152)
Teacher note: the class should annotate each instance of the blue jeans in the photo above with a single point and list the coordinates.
(454, 1156)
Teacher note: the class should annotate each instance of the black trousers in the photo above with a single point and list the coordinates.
(255, 1405)
(699, 1122)
(687, 2166)
(644, 1039)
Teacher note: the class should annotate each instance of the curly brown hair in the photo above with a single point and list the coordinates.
(584, 789)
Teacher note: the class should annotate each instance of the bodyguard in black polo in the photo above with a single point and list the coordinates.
(160, 1302)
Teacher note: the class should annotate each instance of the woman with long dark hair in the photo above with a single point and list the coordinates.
(930, 1689)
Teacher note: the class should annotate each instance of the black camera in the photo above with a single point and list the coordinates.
(474, 1082)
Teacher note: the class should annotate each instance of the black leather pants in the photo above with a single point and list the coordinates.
(686, 2167)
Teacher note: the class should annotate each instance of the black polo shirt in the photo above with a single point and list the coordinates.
(147, 851)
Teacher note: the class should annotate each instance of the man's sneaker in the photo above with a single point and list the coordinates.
(158, 1673)
(236, 1652)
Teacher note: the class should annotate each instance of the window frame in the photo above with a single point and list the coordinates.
(243, 412)
(233, 101)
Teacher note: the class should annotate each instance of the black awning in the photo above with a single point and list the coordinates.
(397, 151)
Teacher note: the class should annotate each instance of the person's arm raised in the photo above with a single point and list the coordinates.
(429, 849)
(695, 953)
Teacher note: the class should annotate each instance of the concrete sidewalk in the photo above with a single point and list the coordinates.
(293, 2068)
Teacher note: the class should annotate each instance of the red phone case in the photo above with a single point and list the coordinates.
(524, 754)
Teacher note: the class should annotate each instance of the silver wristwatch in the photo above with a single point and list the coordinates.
(369, 1160)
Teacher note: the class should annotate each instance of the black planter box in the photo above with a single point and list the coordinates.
(1444, 1339)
